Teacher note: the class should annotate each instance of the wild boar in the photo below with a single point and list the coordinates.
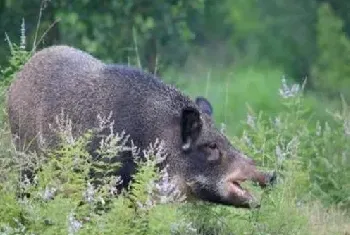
(62, 78)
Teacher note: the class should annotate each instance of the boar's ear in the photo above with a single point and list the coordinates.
(204, 105)
(191, 126)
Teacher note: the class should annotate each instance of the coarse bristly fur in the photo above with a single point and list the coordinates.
(62, 78)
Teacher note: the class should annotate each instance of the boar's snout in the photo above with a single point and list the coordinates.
(266, 179)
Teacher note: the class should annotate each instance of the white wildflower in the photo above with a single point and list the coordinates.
(318, 129)
(105, 122)
(251, 121)
(346, 126)
(115, 181)
(23, 36)
(183, 227)
(73, 224)
(63, 128)
(89, 193)
(49, 193)
(286, 92)
(292, 146)
(157, 150)
(167, 189)
(277, 122)
(223, 128)
(280, 155)
(247, 140)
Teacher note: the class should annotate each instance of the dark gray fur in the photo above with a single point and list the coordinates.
(63, 78)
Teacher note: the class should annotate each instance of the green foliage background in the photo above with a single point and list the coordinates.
(302, 38)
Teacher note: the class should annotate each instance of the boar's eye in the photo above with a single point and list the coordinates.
(213, 145)
(215, 154)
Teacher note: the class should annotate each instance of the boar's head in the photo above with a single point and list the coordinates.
(212, 168)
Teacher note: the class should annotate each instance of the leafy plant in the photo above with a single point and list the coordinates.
(331, 69)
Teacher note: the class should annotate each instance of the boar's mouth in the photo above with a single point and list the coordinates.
(237, 189)
(230, 192)
(241, 197)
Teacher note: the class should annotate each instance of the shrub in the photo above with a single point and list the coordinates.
(320, 154)
(331, 69)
